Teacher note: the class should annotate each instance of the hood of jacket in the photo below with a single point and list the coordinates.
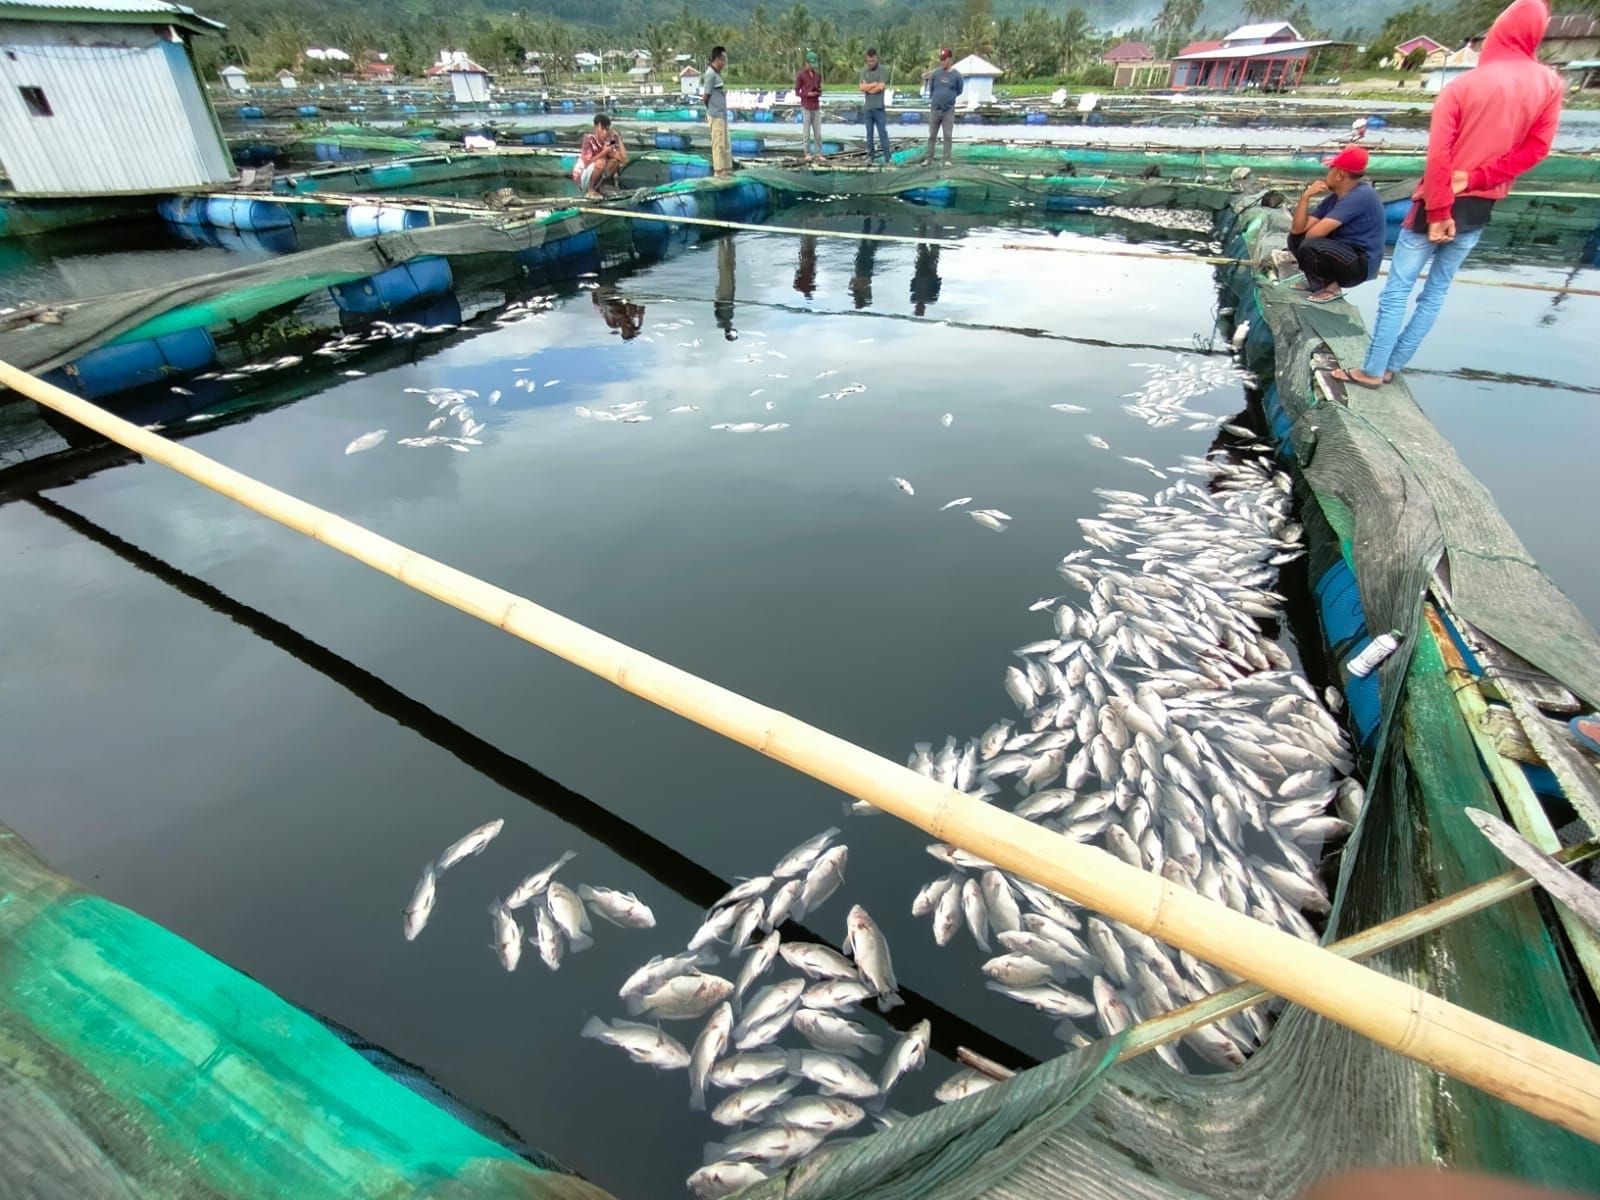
(1516, 32)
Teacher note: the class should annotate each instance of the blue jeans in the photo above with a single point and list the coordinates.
(878, 118)
(1392, 346)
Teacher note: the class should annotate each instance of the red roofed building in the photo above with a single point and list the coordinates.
(1197, 47)
(1567, 39)
(1128, 52)
(1270, 56)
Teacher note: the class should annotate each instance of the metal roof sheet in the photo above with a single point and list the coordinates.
(1269, 50)
(94, 12)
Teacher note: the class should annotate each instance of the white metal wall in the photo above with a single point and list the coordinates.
(128, 112)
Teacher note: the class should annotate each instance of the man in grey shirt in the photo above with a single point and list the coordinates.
(715, 95)
(874, 82)
(944, 85)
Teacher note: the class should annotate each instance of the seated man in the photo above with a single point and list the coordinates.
(600, 159)
(1341, 244)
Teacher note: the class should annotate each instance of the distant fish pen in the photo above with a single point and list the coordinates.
(1401, 538)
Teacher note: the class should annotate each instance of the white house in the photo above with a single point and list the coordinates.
(978, 76)
(689, 81)
(468, 81)
(233, 79)
(286, 80)
(1455, 64)
(104, 99)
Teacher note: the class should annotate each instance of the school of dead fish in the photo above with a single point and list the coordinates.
(1155, 718)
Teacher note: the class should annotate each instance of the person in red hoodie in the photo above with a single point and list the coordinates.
(809, 86)
(1489, 126)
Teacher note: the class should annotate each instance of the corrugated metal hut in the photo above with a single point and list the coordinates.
(102, 98)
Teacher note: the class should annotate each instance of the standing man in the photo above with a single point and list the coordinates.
(600, 159)
(874, 82)
(1489, 126)
(1341, 244)
(944, 85)
(808, 84)
(715, 94)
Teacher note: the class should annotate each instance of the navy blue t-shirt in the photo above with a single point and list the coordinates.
(1360, 215)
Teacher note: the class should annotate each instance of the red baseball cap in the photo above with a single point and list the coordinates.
(945, 53)
(1351, 158)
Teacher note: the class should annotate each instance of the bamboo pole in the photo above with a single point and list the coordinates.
(1543, 1079)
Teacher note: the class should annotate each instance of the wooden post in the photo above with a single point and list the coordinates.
(1543, 1079)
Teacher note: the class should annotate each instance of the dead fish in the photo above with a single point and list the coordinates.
(536, 883)
(494, 396)
(366, 441)
(835, 994)
(1018, 971)
(819, 1114)
(1113, 1013)
(908, 1055)
(1047, 998)
(684, 998)
(771, 1144)
(818, 962)
(352, 374)
(755, 966)
(747, 890)
(547, 935)
(1069, 408)
(902, 484)
(507, 936)
(947, 420)
(1098, 443)
(801, 859)
(570, 914)
(749, 1103)
(620, 908)
(824, 878)
(724, 1179)
(833, 1074)
(976, 912)
(472, 843)
(180, 391)
(643, 1043)
(685, 408)
(708, 1047)
(827, 1031)
(956, 503)
(988, 521)
(745, 927)
(421, 905)
(771, 1001)
(785, 903)
(716, 926)
(947, 916)
(866, 944)
(965, 1082)
(742, 1070)
(928, 898)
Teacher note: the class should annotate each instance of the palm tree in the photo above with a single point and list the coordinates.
(1075, 34)
(1177, 16)
(1264, 10)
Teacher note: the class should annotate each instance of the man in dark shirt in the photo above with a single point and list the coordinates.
(874, 82)
(944, 85)
(1341, 244)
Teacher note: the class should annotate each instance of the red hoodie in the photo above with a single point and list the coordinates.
(1497, 120)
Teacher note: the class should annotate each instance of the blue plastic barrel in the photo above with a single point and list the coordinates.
(251, 112)
(520, 106)
(697, 169)
(365, 220)
(1032, 119)
(561, 258)
(122, 365)
(942, 196)
(746, 201)
(644, 114)
(748, 147)
(1377, 123)
(833, 147)
(911, 118)
(1073, 203)
(357, 108)
(408, 108)
(566, 106)
(543, 137)
(654, 239)
(243, 212)
(971, 118)
(308, 110)
(764, 117)
(672, 141)
(396, 287)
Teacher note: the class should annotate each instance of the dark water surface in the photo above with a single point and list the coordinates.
(274, 801)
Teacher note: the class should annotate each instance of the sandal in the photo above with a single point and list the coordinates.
(1345, 375)
(1326, 297)
(1587, 730)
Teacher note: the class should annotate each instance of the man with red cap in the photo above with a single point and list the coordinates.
(1488, 127)
(1341, 244)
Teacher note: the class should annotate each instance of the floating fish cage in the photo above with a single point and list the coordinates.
(1314, 1099)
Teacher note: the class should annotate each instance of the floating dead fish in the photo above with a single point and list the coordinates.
(865, 942)
(366, 441)
(956, 503)
(1099, 443)
(643, 1043)
(947, 420)
(421, 905)
(507, 936)
(908, 1055)
(989, 522)
(903, 485)
(472, 843)
(623, 909)
(708, 1047)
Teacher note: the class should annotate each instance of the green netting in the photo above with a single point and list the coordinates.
(358, 140)
(133, 1064)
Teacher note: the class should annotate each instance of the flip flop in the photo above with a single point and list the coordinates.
(1325, 297)
(1343, 375)
(1587, 730)
(1302, 286)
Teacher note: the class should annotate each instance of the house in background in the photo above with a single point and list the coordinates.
(1433, 52)
(689, 81)
(104, 99)
(233, 79)
(1270, 56)
(286, 80)
(1128, 52)
(376, 66)
(1569, 38)
(1456, 63)
(469, 82)
(978, 75)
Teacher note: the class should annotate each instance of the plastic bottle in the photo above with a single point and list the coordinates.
(1377, 650)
